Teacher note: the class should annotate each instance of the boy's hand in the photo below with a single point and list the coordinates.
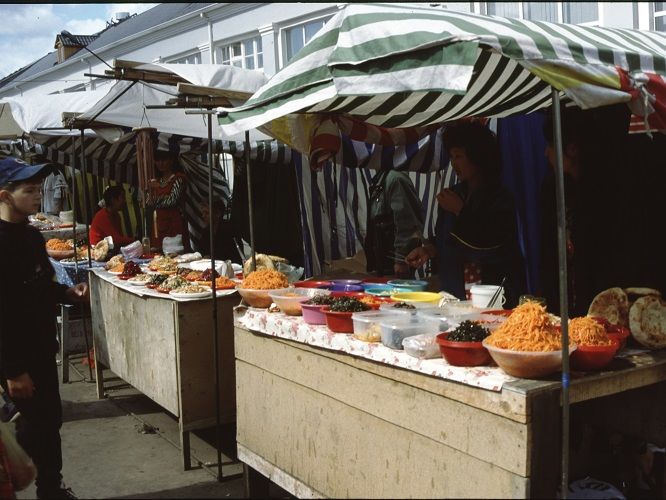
(78, 293)
(450, 201)
(20, 387)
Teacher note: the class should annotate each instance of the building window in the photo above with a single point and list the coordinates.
(581, 12)
(298, 36)
(660, 16)
(537, 11)
(246, 54)
(194, 58)
(504, 9)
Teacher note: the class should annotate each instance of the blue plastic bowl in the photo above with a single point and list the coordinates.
(380, 290)
(410, 285)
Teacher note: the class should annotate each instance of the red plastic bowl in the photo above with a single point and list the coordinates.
(594, 357)
(621, 333)
(339, 322)
(462, 353)
(312, 284)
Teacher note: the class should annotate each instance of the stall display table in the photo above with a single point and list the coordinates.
(164, 348)
(323, 423)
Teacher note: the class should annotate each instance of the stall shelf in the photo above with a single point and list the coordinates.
(321, 423)
(163, 347)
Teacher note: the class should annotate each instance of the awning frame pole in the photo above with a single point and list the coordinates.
(85, 212)
(564, 292)
(249, 199)
(211, 227)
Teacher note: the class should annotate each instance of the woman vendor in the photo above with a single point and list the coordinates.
(107, 220)
(476, 220)
(166, 196)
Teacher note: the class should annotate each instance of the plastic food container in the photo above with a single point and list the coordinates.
(259, 298)
(356, 295)
(312, 284)
(437, 315)
(422, 346)
(527, 364)
(367, 324)
(410, 285)
(339, 322)
(594, 357)
(312, 314)
(376, 280)
(290, 301)
(462, 353)
(461, 308)
(395, 330)
(411, 297)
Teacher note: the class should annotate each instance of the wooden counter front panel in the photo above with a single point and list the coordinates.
(135, 338)
(348, 433)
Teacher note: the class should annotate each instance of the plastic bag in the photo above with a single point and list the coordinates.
(21, 468)
(173, 244)
(422, 346)
(293, 273)
(132, 251)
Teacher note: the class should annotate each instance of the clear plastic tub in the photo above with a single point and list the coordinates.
(422, 346)
(395, 330)
(460, 308)
(367, 324)
(435, 314)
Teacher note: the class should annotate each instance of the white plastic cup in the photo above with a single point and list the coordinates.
(482, 295)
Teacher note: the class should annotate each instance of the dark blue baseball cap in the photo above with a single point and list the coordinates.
(16, 170)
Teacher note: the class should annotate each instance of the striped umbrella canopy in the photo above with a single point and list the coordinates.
(385, 73)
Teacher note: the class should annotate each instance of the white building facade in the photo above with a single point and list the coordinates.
(265, 36)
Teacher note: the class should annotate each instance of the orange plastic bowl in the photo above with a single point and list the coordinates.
(594, 357)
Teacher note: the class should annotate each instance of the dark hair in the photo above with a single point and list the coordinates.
(111, 193)
(161, 154)
(480, 145)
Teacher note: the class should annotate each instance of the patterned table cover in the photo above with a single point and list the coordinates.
(294, 328)
(68, 274)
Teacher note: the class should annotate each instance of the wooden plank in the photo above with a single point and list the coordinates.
(201, 90)
(340, 451)
(457, 425)
(544, 445)
(135, 338)
(196, 364)
(258, 472)
(506, 403)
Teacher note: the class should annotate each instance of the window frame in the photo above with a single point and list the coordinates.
(178, 59)
(560, 13)
(255, 38)
(654, 14)
(282, 60)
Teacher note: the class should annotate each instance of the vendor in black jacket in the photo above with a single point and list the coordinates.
(28, 344)
(476, 221)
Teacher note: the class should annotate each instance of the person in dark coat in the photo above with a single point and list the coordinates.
(28, 341)
(477, 219)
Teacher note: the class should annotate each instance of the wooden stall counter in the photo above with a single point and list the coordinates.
(164, 348)
(321, 423)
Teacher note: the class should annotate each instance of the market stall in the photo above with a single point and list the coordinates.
(162, 345)
(385, 74)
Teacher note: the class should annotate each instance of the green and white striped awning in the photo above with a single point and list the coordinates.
(402, 66)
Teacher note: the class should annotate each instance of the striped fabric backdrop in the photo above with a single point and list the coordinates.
(333, 201)
(115, 163)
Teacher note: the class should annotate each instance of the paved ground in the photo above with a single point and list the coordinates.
(126, 446)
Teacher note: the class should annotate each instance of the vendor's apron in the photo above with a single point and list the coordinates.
(169, 222)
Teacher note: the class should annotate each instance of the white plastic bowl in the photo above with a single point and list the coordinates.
(527, 364)
(289, 301)
(259, 298)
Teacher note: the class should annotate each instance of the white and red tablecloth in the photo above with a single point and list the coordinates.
(294, 328)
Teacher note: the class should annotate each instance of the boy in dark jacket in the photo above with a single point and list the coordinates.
(28, 344)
